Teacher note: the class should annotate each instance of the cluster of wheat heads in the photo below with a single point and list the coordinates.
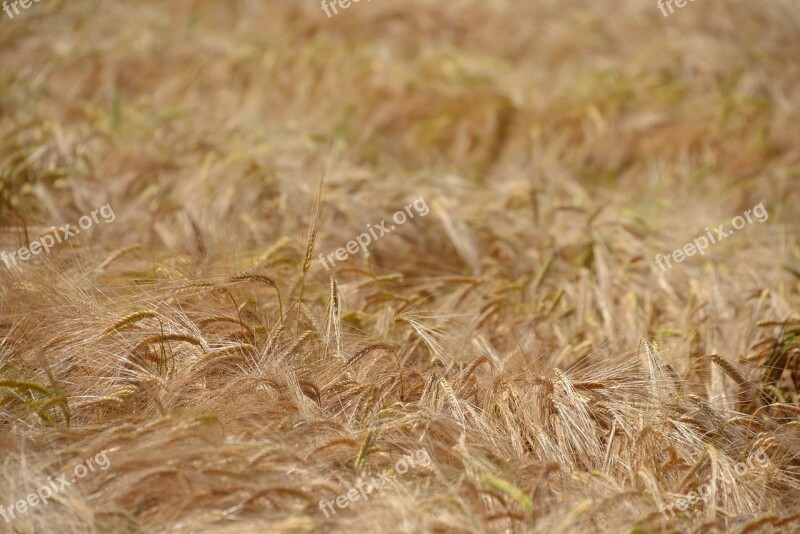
(220, 410)
(520, 333)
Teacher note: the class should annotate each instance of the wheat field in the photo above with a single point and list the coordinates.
(215, 334)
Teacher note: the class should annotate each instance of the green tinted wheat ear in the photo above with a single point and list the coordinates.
(56, 400)
(500, 484)
(363, 450)
(23, 386)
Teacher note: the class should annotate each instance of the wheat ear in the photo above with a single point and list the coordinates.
(160, 338)
(509, 489)
(453, 400)
(731, 371)
(23, 385)
(253, 277)
(316, 214)
(130, 319)
(363, 450)
(334, 316)
(366, 349)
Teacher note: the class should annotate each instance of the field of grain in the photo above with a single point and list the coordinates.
(541, 345)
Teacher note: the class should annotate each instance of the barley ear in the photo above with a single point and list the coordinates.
(316, 214)
(455, 406)
(253, 277)
(129, 319)
(334, 316)
(509, 489)
(363, 450)
(731, 371)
